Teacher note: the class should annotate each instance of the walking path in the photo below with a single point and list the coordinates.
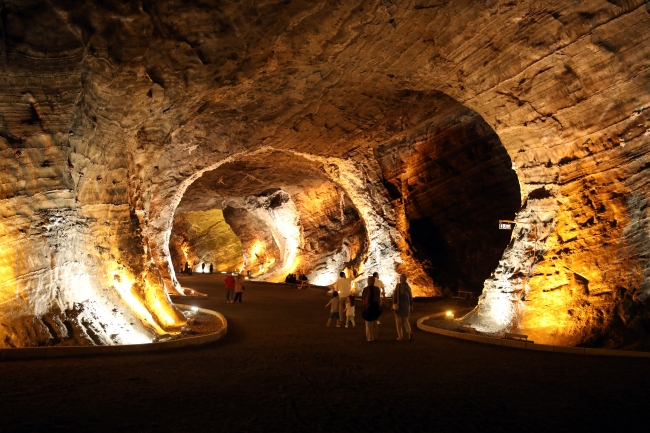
(280, 369)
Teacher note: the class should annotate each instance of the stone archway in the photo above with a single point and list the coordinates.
(103, 125)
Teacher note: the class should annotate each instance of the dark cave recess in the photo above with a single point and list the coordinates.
(455, 182)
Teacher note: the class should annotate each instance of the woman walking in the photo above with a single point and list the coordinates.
(403, 304)
(239, 288)
(371, 299)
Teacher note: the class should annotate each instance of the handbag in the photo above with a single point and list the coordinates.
(395, 306)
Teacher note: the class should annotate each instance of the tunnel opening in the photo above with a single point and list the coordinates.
(451, 182)
(204, 242)
(267, 219)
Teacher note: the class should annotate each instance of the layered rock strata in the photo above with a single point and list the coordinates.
(450, 182)
(201, 239)
(304, 222)
(109, 111)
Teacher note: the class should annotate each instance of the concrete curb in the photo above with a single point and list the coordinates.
(528, 346)
(187, 298)
(289, 285)
(58, 352)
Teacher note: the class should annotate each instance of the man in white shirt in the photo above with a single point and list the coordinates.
(380, 285)
(343, 286)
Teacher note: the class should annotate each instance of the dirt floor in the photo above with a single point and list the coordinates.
(280, 369)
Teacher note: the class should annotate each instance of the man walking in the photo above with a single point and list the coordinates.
(343, 286)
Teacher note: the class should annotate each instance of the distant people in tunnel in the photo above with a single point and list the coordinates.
(203, 267)
(334, 309)
(371, 309)
(211, 268)
(402, 305)
(229, 281)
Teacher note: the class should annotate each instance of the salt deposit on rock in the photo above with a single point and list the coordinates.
(397, 131)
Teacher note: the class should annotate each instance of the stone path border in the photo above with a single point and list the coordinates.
(523, 345)
(175, 298)
(64, 351)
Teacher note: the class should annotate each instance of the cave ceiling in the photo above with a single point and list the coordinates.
(413, 114)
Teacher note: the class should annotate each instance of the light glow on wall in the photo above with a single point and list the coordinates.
(124, 283)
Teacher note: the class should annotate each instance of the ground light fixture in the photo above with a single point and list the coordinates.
(449, 315)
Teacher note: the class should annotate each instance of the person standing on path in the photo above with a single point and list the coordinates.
(371, 309)
(343, 285)
(349, 311)
(239, 288)
(203, 268)
(380, 284)
(229, 281)
(211, 268)
(334, 309)
(403, 304)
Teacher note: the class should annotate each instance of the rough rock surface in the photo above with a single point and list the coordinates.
(305, 222)
(110, 111)
(203, 239)
(450, 182)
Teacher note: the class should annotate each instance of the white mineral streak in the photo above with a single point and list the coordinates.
(501, 305)
(383, 256)
(284, 223)
(160, 225)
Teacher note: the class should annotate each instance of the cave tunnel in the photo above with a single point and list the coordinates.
(276, 212)
(272, 214)
(323, 142)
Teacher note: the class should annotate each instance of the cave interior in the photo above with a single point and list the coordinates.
(319, 137)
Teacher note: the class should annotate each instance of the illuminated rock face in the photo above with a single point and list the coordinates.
(305, 222)
(450, 182)
(110, 112)
(203, 239)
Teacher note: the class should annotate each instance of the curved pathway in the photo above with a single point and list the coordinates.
(280, 369)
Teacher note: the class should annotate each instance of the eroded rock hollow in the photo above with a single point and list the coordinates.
(322, 136)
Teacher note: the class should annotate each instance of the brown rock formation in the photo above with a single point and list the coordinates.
(111, 111)
(287, 212)
(204, 239)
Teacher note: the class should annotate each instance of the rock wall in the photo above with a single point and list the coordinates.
(203, 239)
(289, 216)
(109, 111)
(450, 182)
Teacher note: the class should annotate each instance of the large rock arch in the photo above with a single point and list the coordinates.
(108, 108)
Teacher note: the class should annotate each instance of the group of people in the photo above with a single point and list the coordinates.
(371, 302)
(293, 279)
(234, 288)
(187, 270)
(337, 308)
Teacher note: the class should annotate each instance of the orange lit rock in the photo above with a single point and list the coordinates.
(205, 238)
(110, 111)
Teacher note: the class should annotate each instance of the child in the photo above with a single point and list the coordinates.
(349, 311)
(334, 309)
